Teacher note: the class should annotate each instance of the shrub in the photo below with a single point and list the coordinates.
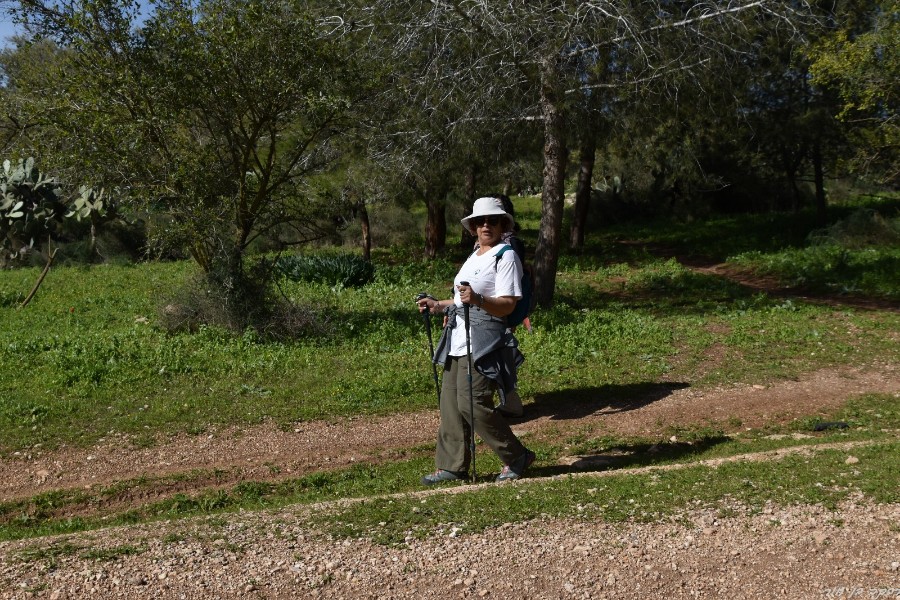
(346, 270)
(238, 303)
(864, 228)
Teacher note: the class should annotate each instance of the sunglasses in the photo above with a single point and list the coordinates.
(492, 220)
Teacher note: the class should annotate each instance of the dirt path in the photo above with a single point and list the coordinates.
(265, 452)
(771, 286)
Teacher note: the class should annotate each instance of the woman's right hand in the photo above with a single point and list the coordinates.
(428, 303)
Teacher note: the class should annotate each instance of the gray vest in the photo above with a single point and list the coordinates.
(495, 350)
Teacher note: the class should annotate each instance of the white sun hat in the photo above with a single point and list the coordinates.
(488, 206)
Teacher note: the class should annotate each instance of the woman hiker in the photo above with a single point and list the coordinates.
(491, 289)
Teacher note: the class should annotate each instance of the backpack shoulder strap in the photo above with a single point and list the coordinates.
(499, 254)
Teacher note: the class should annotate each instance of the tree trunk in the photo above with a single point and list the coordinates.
(471, 182)
(795, 191)
(583, 191)
(791, 164)
(436, 224)
(40, 279)
(546, 253)
(466, 239)
(819, 175)
(363, 215)
(92, 245)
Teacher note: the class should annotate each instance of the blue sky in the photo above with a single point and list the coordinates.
(6, 28)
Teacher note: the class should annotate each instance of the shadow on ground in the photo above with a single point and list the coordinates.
(630, 456)
(606, 399)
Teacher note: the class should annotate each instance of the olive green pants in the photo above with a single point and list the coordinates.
(454, 435)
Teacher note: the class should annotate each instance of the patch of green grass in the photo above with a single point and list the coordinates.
(822, 478)
(51, 553)
(48, 554)
(20, 520)
(674, 284)
(831, 269)
(86, 360)
(174, 538)
(97, 365)
(113, 553)
(859, 254)
(874, 411)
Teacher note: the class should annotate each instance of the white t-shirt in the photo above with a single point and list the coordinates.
(479, 271)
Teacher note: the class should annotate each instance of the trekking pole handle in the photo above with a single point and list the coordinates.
(421, 296)
(465, 283)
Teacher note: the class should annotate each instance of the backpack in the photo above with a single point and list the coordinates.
(525, 304)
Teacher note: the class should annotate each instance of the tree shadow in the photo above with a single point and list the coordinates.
(687, 292)
(706, 282)
(569, 404)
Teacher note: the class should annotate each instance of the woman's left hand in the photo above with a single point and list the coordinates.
(467, 294)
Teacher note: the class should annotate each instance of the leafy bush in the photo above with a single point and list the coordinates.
(864, 228)
(237, 303)
(345, 270)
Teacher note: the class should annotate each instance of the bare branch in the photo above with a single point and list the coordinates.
(662, 73)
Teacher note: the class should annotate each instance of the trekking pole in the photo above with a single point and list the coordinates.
(471, 394)
(427, 315)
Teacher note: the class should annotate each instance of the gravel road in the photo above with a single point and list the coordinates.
(793, 552)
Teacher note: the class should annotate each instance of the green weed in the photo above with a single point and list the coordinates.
(345, 270)
(113, 553)
(48, 554)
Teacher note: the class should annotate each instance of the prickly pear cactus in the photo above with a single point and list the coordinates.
(30, 208)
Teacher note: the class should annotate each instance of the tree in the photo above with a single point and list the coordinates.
(535, 46)
(861, 61)
(792, 121)
(23, 66)
(437, 132)
(213, 112)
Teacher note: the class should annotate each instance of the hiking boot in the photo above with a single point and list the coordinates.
(517, 468)
(441, 476)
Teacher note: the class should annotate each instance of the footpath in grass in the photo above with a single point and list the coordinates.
(867, 427)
